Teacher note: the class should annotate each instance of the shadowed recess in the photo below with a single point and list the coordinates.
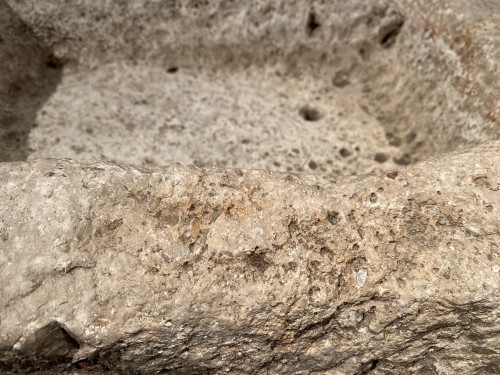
(29, 74)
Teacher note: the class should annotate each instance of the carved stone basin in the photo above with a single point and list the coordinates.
(260, 187)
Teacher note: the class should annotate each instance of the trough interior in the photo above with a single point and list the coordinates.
(311, 87)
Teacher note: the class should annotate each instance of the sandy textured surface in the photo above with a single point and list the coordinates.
(264, 187)
(214, 83)
(257, 119)
(188, 270)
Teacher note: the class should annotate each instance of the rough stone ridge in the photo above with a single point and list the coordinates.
(191, 270)
(250, 187)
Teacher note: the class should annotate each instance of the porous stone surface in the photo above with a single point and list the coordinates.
(195, 270)
(225, 84)
(335, 209)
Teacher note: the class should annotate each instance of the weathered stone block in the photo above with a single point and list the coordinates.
(336, 209)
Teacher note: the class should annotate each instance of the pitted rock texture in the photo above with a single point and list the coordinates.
(340, 214)
(218, 83)
(189, 270)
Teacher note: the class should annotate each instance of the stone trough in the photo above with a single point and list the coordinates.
(250, 187)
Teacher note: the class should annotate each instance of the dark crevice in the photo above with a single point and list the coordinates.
(369, 367)
(333, 217)
(312, 24)
(258, 261)
(341, 79)
(389, 33)
(51, 345)
(91, 363)
(405, 159)
(53, 62)
(380, 157)
(345, 153)
(309, 113)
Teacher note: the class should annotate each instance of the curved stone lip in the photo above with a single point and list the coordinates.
(393, 242)
(108, 267)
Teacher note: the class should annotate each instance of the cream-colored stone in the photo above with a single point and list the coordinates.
(342, 215)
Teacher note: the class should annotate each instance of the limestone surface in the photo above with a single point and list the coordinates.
(195, 270)
(250, 187)
(388, 83)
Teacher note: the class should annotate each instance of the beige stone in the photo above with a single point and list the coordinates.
(268, 187)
